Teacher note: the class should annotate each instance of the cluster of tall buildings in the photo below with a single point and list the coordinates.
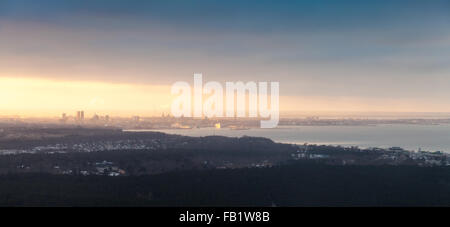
(80, 116)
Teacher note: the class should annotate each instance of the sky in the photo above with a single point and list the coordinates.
(121, 57)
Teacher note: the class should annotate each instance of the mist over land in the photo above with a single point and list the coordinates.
(86, 118)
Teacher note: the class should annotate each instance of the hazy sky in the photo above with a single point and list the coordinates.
(327, 55)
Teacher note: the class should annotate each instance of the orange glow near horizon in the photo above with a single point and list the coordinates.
(33, 97)
(44, 98)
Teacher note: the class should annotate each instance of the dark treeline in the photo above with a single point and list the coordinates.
(296, 184)
(169, 141)
(136, 162)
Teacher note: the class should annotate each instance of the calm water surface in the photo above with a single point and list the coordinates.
(412, 137)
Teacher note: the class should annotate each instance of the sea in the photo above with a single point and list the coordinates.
(408, 136)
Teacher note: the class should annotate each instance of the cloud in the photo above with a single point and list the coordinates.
(348, 48)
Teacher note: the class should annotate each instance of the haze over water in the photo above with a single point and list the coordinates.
(410, 137)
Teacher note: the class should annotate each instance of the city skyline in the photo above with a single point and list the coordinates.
(121, 57)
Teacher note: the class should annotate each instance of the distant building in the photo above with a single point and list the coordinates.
(95, 117)
(396, 149)
(80, 115)
(64, 118)
(136, 118)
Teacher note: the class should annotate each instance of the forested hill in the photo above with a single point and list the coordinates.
(296, 184)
